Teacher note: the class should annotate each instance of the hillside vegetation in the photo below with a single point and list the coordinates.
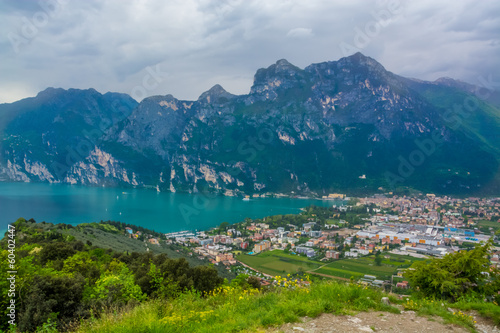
(234, 309)
(61, 279)
(64, 284)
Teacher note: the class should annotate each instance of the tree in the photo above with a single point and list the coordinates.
(456, 274)
(254, 282)
(54, 251)
(378, 259)
(116, 286)
(47, 296)
(205, 279)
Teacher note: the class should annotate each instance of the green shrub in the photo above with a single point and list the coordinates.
(456, 275)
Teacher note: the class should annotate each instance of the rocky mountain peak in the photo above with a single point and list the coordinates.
(59, 95)
(215, 94)
(283, 65)
(360, 62)
(281, 74)
(50, 91)
(449, 82)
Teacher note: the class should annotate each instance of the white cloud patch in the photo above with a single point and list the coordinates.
(300, 33)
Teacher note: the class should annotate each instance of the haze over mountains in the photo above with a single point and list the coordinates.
(346, 125)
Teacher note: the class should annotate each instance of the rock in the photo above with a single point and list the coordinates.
(385, 300)
(296, 328)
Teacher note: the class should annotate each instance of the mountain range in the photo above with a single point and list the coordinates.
(348, 125)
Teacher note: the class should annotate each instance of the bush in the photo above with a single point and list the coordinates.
(55, 251)
(49, 297)
(456, 275)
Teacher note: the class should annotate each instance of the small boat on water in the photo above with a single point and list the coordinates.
(246, 198)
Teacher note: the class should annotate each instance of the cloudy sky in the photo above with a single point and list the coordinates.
(184, 47)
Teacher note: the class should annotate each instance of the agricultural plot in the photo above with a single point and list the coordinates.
(398, 260)
(357, 268)
(489, 224)
(278, 263)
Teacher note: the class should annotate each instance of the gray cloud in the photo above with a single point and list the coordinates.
(108, 45)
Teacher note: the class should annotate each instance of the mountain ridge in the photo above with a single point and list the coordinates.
(332, 126)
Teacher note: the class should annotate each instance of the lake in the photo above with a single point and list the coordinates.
(163, 212)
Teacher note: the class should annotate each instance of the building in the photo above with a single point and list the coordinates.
(224, 257)
(153, 241)
(315, 234)
(208, 241)
(305, 250)
(257, 236)
(262, 246)
(351, 253)
(332, 255)
(403, 285)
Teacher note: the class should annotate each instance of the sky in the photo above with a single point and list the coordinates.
(184, 47)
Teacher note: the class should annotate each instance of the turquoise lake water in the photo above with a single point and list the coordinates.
(163, 212)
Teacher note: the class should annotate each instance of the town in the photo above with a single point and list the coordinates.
(401, 229)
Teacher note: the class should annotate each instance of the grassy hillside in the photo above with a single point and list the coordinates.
(59, 279)
(107, 236)
(233, 309)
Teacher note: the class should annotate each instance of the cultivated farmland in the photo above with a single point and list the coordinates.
(278, 263)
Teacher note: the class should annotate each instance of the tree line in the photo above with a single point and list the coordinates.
(64, 280)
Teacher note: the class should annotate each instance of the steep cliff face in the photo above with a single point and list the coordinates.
(346, 124)
(44, 137)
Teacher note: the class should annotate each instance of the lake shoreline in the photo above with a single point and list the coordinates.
(161, 211)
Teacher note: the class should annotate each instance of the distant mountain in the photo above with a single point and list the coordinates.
(44, 136)
(346, 125)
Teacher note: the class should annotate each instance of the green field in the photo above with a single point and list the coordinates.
(277, 262)
(358, 267)
(489, 224)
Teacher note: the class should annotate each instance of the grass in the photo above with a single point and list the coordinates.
(278, 262)
(359, 267)
(235, 310)
(459, 314)
(489, 224)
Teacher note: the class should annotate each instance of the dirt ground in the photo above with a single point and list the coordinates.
(407, 321)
